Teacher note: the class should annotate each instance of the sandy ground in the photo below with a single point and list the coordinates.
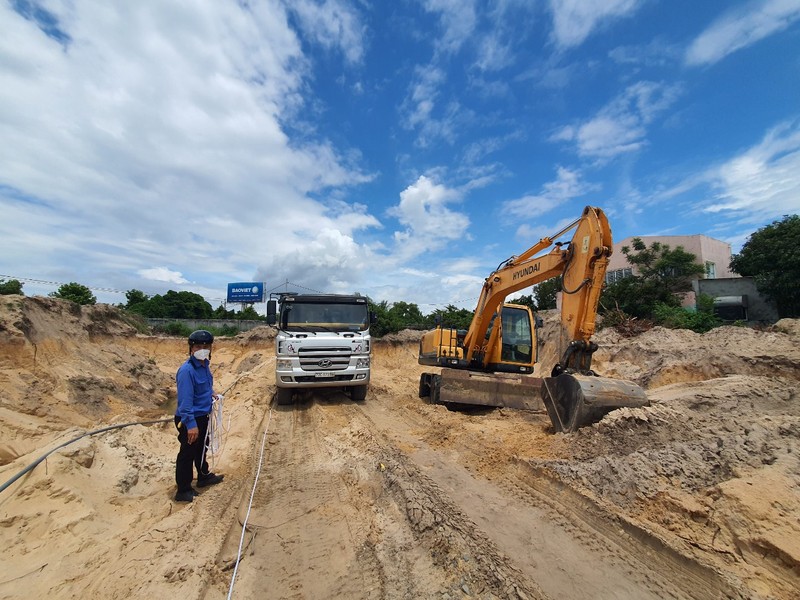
(696, 496)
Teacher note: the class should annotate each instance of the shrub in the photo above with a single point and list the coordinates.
(676, 317)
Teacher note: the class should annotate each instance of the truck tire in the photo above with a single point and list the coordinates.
(358, 393)
(284, 396)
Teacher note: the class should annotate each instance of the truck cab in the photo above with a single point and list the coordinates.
(323, 341)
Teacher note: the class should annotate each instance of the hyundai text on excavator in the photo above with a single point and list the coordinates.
(491, 364)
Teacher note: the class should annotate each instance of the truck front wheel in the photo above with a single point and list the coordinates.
(284, 396)
(358, 393)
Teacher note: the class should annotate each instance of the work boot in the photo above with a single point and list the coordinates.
(185, 496)
(209, 479)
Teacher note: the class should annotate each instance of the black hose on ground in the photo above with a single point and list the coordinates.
(33, 465)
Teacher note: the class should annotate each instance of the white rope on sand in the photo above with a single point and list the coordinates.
(250, 505)
(217, 432)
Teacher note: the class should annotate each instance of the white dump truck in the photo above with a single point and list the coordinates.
(322, 341)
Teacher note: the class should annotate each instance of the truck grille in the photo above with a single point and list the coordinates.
(328, 358)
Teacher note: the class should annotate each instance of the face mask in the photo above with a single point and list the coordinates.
(203, 354)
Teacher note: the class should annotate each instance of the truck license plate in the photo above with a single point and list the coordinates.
(324, 374)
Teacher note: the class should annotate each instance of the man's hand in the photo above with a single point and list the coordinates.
(192, 434)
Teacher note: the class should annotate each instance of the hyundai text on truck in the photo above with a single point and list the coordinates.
(323, 341)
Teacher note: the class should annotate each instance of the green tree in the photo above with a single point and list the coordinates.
(174, 305)
(135, 297)
(771, 256)
(545, 293)
(450, 316)
(662, 274)
(249, 314)
(636, 297)
(384, 323)
(186, 305)
(524, 300)
(398, 316)
(221, 313)
(407, 314)
(75, 292)
(10, 286)
(543, 296)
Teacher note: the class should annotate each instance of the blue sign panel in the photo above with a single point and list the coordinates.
(246, 292)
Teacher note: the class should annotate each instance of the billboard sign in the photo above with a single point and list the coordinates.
(246, 292)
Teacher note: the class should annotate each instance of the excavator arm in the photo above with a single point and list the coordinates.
(582, 265)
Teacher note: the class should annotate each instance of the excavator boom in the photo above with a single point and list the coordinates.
(491, 363)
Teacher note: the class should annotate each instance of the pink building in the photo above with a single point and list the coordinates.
(714, 254)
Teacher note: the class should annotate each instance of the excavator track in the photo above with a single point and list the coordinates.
(454, 388)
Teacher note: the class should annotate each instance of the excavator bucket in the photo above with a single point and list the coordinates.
(573, 401)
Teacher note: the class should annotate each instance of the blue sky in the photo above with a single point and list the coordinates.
(400, 149)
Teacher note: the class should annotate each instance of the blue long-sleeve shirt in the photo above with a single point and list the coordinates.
(195, 388)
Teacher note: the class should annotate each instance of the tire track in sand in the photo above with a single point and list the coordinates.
(343, 514)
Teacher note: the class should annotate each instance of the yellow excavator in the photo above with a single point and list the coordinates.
(492, 363)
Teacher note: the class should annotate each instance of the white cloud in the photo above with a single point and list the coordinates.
(457, 19)
(420, 109)
(567, 185)
(493, 53)
(422, 95)
(531, 234)
(162, 274)
(620, 126)
(656, 53)
(326, 261)
(740, 27)
(575, 20)
(332, 24)
(750, 189)
(763, 182)
(428, 223)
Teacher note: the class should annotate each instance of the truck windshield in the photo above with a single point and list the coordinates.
(325, 317)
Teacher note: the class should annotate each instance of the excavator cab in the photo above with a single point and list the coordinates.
(515, 352)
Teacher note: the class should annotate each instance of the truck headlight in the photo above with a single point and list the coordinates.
(283, 364)
(362, 363)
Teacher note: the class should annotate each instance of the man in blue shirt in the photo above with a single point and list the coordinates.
(195, 396)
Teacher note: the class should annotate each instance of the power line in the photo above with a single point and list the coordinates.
(59, 284)
(287, 283)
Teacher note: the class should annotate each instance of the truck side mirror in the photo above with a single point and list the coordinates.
(272, 311)
(373, 318)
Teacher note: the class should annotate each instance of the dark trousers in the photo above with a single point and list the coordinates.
(190, 454)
